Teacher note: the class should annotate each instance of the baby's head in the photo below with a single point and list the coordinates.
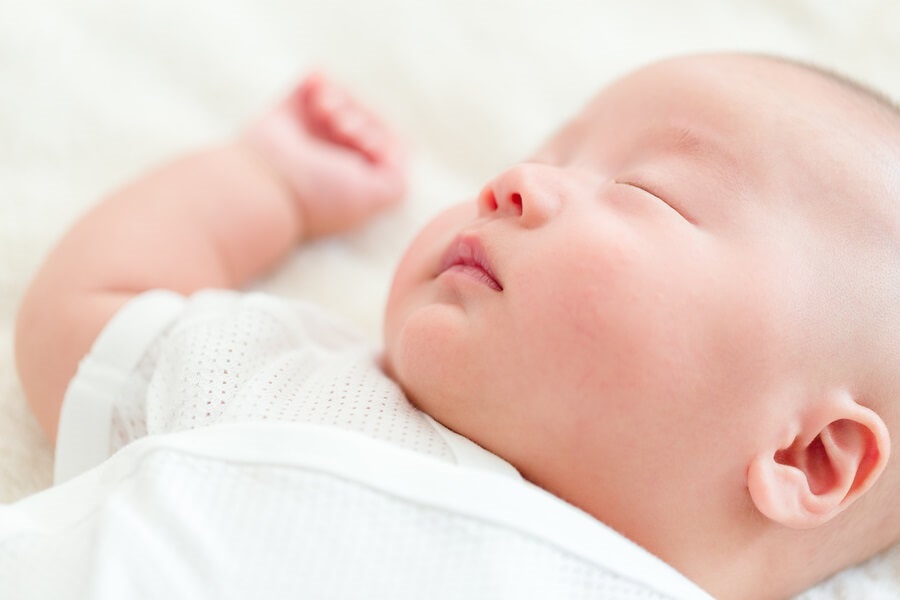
(681, 316)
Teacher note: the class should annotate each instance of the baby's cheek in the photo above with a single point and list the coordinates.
(593, 312)
(589, 292)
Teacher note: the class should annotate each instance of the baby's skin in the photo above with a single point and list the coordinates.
(661, 316)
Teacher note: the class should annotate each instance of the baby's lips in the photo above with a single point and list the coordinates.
(466, 250)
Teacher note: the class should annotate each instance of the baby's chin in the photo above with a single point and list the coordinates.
(395, 362)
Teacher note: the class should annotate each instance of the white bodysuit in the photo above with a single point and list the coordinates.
(227, 357)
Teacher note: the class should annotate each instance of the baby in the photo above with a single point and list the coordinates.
(680, 315)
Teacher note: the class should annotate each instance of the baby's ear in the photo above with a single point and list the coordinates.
(838, 450)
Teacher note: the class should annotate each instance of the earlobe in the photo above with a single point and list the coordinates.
(834, 458)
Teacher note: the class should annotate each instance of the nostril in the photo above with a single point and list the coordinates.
(516, 199)
(490, 201)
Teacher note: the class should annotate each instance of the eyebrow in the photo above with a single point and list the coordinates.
(687, 140)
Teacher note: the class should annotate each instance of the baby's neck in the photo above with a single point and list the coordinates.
(761, 560)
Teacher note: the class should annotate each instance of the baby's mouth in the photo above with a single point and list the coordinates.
(466, 255)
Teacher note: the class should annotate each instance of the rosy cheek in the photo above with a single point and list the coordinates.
(595, 304)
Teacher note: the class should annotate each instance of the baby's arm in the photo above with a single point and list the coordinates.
(318, 163)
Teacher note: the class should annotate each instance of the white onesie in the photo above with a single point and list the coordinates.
(227, 357)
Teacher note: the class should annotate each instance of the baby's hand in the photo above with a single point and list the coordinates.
(341, 163)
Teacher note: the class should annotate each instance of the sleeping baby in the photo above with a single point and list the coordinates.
(670, 335)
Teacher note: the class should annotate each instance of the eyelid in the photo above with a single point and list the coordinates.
(643, 188)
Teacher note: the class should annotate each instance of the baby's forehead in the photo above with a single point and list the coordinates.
(769, 117)
(671, 110)
(751, 87)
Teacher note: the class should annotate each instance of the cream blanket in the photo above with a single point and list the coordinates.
(93, 92)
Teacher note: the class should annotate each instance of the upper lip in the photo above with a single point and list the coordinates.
(467, 250)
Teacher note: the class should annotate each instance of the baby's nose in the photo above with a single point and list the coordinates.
(531, 192)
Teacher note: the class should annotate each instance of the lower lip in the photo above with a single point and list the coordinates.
(474, 273)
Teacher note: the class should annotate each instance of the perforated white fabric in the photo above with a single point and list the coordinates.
(232, 358)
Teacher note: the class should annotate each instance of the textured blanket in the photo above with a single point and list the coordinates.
(93, 92)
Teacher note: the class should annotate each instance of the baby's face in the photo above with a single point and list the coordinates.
(608, 315)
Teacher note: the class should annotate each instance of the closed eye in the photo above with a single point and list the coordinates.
(659, 197)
